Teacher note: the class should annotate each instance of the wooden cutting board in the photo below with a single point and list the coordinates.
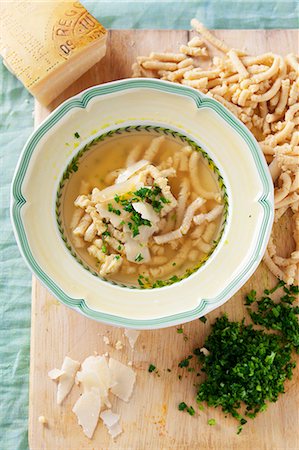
(151, 419)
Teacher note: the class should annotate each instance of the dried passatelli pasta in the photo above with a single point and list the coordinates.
(292, 61)
(178, 74)
(200, 28)
(265, 96)
(263, 92)
(199, 84)
(283, 100)
(294, 94)
(284, 190)
(159, 65)
(196, 74)
(195, 42)
(193, 51)
(237, 63)
(170, 57)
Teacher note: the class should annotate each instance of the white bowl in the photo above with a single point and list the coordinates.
(133, 102)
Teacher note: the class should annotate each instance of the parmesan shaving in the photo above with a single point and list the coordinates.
(124, 377)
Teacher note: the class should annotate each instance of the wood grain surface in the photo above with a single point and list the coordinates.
(151, 419)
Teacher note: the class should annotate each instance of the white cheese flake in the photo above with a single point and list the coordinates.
(126, 174)
(66, 377)
(95, 374)
(130, 185)
(124, 377)
(111, 421)
(87, 409)
(54, 374)
(136, 252)
(132, 336)
(146, 211)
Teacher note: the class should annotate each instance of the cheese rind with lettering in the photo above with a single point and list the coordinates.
(49, 45)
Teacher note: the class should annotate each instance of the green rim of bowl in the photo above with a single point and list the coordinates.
(73, 165)
(201, 101)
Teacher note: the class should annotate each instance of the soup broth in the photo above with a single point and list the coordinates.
(142, 209)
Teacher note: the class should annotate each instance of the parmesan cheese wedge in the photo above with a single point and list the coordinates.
(49, 44)
(124, 377)
(87, 409)
(66, 377)
(111, 420)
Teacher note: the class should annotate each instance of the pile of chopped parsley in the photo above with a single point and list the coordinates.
(246, 368)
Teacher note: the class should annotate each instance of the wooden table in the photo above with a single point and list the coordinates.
(151, 419)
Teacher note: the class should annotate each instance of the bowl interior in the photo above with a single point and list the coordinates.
(66, 195)
(103, 109)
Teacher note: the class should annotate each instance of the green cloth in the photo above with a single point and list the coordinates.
(16, 124)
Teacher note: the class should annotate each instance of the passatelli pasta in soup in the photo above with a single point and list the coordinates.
(143, 209)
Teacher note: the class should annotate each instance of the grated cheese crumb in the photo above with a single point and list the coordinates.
(106, 340)
(42, 420)
(119, 345)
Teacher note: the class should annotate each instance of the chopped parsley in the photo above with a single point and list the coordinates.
(280, 316)
(250, 297)
(179, 330)
(139, 257)
(112, 209)
(185, 362)
(77, 135)
(151, 368)
(174, 278)
(104, 248)
(117, 256)
(190, 410)
(152, 196)
(106, 233)
(119, 247)
(244, 366)
(203, 319)
(140, 280)
(270, 291)
(211, 422)
(182, 406)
